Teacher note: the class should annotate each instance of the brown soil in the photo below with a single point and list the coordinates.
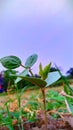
(52, 124)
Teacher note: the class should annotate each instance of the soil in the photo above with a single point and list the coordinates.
(52, 124)
(64, 122)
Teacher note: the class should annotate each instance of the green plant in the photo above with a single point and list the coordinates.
(8, 120)
(67, 93)
(9, 79)
(47, 77)
(7, 117)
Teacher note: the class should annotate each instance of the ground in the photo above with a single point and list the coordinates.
(62, 123)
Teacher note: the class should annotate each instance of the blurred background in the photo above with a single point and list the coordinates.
(44, 27)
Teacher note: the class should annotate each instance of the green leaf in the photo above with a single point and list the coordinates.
(69, 105)
(23, 73)
(70, 88)
(46, 70)
(64, 79)
(31, 60)
(40, 70)
(36, 81)
(66, 89)
(52, 77)
(10, 62)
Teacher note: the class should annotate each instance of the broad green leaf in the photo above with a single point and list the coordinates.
(36, 81)
(46, 70)
(23, 73)
(40, 70)
(10, 62)
(52, 77)
(31, 60)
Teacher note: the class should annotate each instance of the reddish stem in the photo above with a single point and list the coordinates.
(44, 104)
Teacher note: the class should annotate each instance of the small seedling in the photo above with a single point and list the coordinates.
(46, 77)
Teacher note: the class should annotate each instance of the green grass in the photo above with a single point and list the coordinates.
(28, 103)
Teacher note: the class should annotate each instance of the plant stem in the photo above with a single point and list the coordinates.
(9, 117)
(29, 70)
(23, 66)
(20, 111)
(44, 104)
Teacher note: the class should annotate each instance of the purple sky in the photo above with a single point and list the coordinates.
(44, 27)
